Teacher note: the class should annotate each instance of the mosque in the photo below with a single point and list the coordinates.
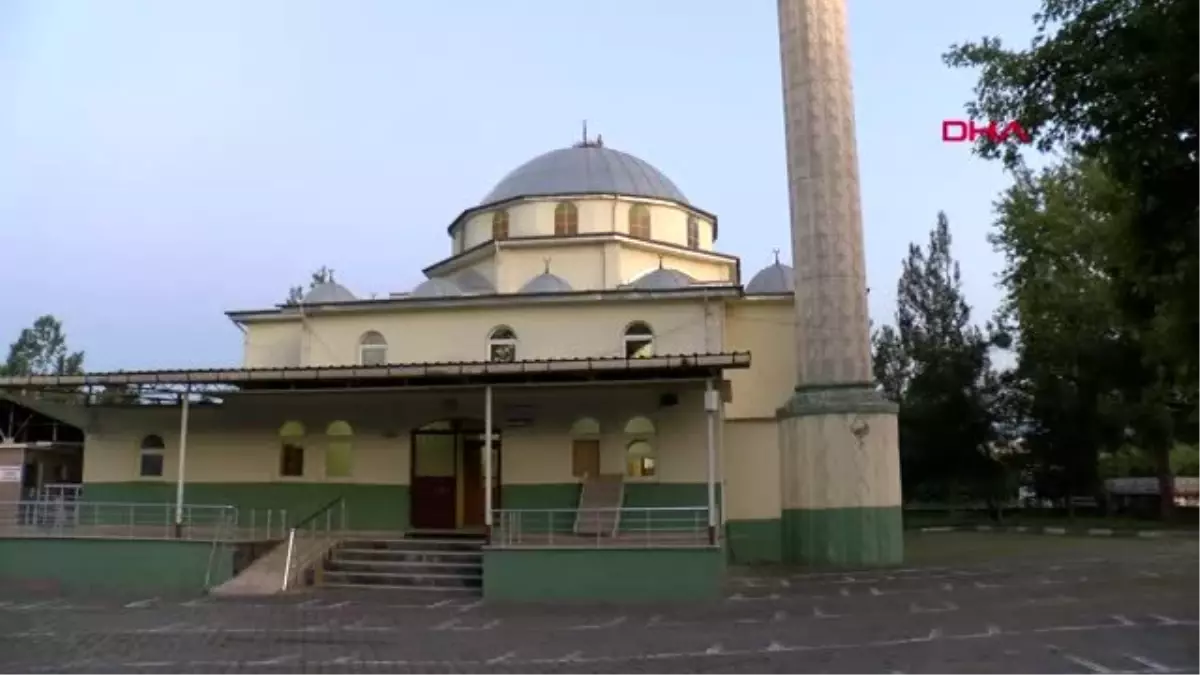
(584, 361)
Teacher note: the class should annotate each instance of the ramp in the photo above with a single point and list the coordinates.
(600, 499)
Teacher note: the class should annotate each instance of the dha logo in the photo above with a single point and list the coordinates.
(968, 131)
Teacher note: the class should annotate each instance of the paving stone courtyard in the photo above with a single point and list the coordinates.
(964, 603)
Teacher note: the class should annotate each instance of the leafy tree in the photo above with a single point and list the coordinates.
(324, 275)
(42, 350)
(1115, 81)
(1057, 231)
(935, 363)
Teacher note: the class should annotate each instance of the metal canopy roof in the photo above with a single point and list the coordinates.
(676, 366)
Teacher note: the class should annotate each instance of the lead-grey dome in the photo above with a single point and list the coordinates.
(663, 279)
(328, 291)
(546, 283)
(471, 281)
(778, 278)
(585, 169)
(436, 288)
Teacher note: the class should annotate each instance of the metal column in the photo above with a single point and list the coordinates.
(183, 434)
(487, 459)
(712, 404)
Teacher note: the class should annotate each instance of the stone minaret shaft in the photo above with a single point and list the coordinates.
(827, 238)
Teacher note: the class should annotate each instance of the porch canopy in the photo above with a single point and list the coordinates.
(454, 374)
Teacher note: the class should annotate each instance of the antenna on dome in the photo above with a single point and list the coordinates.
(587, 142)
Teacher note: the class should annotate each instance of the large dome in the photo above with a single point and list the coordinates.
(585, 169)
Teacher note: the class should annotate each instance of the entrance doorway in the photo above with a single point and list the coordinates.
(447, 490)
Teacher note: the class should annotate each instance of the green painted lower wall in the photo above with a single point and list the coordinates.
(754, 541)
(369, 506)
(110, 565)
(843, 537)
(603, 574)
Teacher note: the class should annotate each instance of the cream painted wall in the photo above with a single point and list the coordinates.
(765, 329)
(638, 260)
(582, 265)
(668, 222)
(752, 469)
(275, 344)
(567, 330)
(239, 442)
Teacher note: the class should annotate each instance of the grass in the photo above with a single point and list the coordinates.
(919, 519)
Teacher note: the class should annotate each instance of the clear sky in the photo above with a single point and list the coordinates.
(162, 162)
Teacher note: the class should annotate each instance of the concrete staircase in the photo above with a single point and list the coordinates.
(442, 564)
(607, 492)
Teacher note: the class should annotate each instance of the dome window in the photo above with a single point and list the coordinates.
(566, 219)
(500, 225)
(693, 232)
(639, 221)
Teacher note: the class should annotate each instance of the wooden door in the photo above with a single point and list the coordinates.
(434, 482)
(585, 458)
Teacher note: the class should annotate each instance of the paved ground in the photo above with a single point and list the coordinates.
(965, 603)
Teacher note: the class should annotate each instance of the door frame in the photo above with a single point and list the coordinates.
(460, 428)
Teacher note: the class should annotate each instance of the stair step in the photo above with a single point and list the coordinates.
(402, 580)
(400, 566)
(474, 590)
(380, 552)
(416, 544)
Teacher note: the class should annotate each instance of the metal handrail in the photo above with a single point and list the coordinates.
(665, 526)
(327, 510)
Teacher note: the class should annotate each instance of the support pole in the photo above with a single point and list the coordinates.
(712, 404)
(487, 459)
(183, 434)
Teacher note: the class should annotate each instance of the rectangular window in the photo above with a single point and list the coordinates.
(291, 460)
(151, 465)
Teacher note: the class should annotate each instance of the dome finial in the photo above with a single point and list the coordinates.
(660, 261)
(776, 252)
(546, 262)
(587, 142)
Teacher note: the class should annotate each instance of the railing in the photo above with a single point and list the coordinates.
(309, 538)
(139, 520)
(655, 527)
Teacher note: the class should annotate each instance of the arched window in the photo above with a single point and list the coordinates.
(500, 225)
(639, 221)
(693, 232)
(150, 457)
(585, 448)
(339, 450)
(639, 341)
(585, 426)
(502, 345)
(640, 457)
(291, 449)
(372, 349)
(566, 219)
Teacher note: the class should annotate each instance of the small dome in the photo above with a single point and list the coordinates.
(778, 278)
(471, 281)
(329, 291)
(546, 283)
(662, 279)
(436, 288)
(588, 168)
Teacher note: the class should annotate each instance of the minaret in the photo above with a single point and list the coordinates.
(839, 452)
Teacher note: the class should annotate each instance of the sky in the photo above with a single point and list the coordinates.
(164, 162)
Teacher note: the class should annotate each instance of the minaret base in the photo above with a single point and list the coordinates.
(840, 462)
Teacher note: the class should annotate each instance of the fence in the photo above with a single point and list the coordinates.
(117, 520)
(652, 527)
(310, 539)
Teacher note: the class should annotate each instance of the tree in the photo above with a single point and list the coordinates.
(324, 275)
(935, 363)
(1058, 231)
(1115, 82)
(42, 350)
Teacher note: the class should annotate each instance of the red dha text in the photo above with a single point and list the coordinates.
(966, 131)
